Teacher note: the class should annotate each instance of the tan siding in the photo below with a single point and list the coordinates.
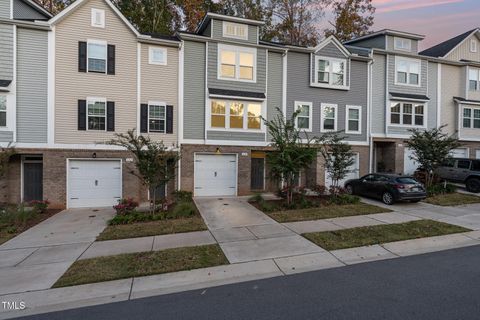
(160, 83)
(463, 51)
(72, 85)
(452, 86)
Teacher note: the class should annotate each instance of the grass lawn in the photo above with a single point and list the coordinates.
(325, 212)
(141, 264)
(452, 199)
(363, 236)
(152, 228)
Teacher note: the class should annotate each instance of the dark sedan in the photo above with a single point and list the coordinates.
(387, 187)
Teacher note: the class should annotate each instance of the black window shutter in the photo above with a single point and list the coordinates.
(144, 117)
(82, 56)
(82, 114)
(110, 116)
(169, 119)
(111, 59)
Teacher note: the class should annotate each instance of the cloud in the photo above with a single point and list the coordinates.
(384, 6)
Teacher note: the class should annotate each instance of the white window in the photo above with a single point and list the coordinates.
(157, 55)
(328, 117)
(354, 120)
(97, 56)
(98, 18)
(235, 30)
(407, 113)
(474, 79)
(402, 44)
(156, 117)
(473, 45)
(236, 63)
(471, 118)
(407, 71)
(96, 113)
(239, 115)
(331, 72)
(304, 117)
(3, 111)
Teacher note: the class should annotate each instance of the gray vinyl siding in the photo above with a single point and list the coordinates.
(375, 42)
(32, 91)
(208, 30)
(275, 85)
(235, 136)
(6, 52)
(378, 94)
(392, 87)
(432, 94)
(391, 45)
(331, 51)
(213, 82)
(217, 33)
(194, 90)
(21, 10)
(6, 136)
(5, 9)
(298, 89)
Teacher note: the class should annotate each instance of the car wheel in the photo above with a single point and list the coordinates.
(473, 185)
(349, 189)
(387, 198)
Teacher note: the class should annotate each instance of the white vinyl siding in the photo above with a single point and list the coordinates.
(304, 117)
(407, 71)
(328, 117)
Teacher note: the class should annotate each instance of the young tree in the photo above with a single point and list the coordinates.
(352, 18)
(338, 157)
(5, 154)
(291, 153)
(430, 149)
(155, 164)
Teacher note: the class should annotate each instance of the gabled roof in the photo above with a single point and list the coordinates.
(390, 32)
(336, 42)
(38, 8)
(442, 49)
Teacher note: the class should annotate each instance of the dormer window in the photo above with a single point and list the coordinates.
(235, 30)
(473, 45)
(330, 71)
(402, 44)
(98, 18)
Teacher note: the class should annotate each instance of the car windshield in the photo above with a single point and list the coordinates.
(406, 180)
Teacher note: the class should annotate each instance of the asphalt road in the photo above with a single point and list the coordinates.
(442, 285)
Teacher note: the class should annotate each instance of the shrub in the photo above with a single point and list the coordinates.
(257, 197)
(182, 210)
(319, 189)
(16, 216)
(39, 206)
(125, 206)
(267, 207)
(441, 188)
(341, 199)
(182, 196)
(336, 191)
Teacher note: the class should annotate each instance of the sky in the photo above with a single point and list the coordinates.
(438, 20)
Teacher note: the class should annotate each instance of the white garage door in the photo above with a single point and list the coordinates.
(459, 153)
(409, 165)
(215, 175)
(94, 183)
(353, 174)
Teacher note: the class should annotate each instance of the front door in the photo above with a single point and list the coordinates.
(32, 181)
(258, 174)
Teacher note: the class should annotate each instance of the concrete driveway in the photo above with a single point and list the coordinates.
(35, 259)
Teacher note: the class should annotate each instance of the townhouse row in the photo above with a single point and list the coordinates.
(68, 83)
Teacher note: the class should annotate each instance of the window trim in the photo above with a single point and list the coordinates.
(237, 50)
(409, 60)
(396, 47)
(94, 12)
(96, 99)
(347, 109)
(473, 46)
(227, 115)
(315, 83)
(161, 104)
(297, 104)
(477, 81)
(401, 124)
(5, 127)
(98, 42)
(335, 123)
(472, 117)
(150, 55)
(236, 25)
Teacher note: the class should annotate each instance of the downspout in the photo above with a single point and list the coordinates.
(369, 113)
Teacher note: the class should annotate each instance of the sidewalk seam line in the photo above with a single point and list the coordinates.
(131, 289)
(28, 256)
(280, 269)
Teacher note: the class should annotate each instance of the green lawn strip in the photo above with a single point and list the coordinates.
(152, 228)
(364, 236)
(452, 199)
(325, 212)
(141, 264)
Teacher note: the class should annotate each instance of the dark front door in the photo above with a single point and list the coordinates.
(32, 181)
(160, 192)
(258, 174)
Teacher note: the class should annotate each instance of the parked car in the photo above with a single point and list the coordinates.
(462, 170)
(387, 187)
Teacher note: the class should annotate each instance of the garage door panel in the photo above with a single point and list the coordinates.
(215, 175)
